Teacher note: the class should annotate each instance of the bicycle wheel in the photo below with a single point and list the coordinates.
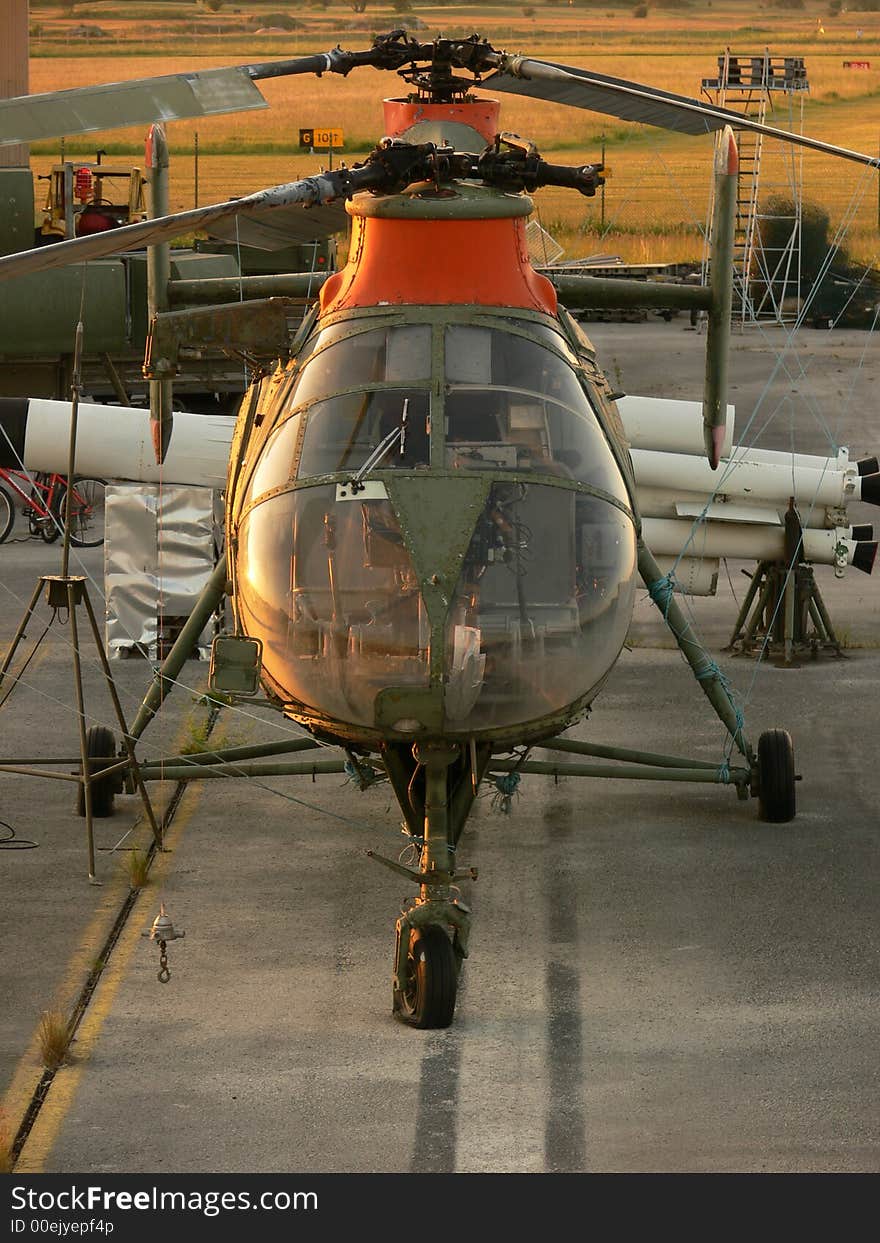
(50, 528)
(7, 514)
(86, 513)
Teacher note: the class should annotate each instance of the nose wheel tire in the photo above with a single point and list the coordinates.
(776, 776)
(428, 1000)
(100, 743)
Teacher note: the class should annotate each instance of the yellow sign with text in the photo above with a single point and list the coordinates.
(321, 139)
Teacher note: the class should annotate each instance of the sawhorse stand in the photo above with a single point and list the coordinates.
(784, 614)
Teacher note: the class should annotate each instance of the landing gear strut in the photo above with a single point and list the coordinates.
(432, 933)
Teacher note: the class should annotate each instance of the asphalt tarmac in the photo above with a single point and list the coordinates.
(658, 981)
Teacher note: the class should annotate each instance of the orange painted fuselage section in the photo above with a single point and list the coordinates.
(436, 262)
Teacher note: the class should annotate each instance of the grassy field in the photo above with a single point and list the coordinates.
(655, 203)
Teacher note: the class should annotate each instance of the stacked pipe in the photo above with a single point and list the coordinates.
(694, 516)
(113, 442)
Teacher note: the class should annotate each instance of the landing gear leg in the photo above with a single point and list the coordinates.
(773, 773)
(705, 670)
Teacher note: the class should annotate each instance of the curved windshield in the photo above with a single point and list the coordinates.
(363, 401)
(486, 356)
(361, 359)
(331, 591)
(542, 333)
(512, 404)
(360, 431)
(534, 623)
(275, 463)
(542, 605)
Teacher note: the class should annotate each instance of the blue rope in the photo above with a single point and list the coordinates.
(706, 673)
(506, 786)
(363, 774)
(662, 590)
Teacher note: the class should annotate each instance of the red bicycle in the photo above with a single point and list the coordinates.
(42, 500)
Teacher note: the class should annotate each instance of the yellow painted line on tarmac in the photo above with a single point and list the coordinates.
(27, 1074)
(38, 658)
(29, 1071)
(64, 1087)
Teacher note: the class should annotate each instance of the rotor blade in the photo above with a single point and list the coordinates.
(320, 189)
(632, 101)
(277, 228)
(29, 118)
(82, 110)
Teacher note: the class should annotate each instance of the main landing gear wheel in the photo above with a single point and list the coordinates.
(776, 776)
(100, 743)
(429, 997)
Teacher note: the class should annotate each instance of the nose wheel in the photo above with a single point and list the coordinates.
(427, 997)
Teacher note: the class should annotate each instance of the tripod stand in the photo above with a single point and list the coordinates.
(99, 773)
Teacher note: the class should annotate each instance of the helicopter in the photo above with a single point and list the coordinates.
(433, 543)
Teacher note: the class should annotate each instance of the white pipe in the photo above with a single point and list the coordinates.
(819, 461)
(668, 424)
(674, 426)
(669, 537)
(746, 478)
(693, 577)
(113, 442)
(673, 503)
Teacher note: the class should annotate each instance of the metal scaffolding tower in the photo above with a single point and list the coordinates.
(767, 252)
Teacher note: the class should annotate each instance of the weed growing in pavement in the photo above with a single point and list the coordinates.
(138, 866)
(54, 1039)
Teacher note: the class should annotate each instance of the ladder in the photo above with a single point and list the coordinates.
(767, 283)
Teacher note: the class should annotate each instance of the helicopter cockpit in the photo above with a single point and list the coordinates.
(435, 506)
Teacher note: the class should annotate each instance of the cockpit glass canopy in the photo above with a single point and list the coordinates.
(535, 620)
(536, 603)
(331, 590)
(400, 355)
(344, 433)
(503, 400)
(512, 404)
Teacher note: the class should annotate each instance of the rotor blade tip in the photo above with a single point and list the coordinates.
(715, 444)
(728, 153)
(160, 434)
